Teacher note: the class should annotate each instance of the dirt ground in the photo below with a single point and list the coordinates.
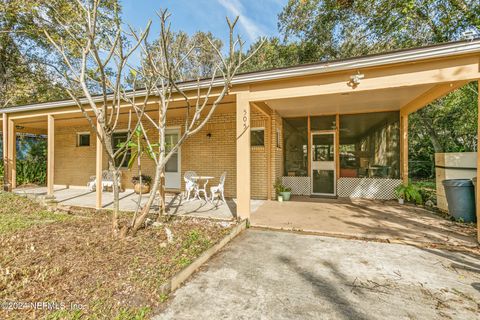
(60, 266)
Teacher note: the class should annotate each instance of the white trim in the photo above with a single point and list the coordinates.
(177, 130)
(409, 55)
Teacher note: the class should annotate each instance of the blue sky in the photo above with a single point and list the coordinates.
(258, 18)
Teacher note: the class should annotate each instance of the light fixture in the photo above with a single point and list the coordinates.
(19, 127)
(355, 79)
(209, 135)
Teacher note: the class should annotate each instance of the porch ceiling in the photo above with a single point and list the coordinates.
(76, 119)
(355, 102)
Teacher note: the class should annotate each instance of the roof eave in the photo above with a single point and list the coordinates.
(412, 55)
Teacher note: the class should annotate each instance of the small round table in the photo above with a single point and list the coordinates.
(198, 190)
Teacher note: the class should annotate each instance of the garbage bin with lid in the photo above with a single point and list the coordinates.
(460, 198)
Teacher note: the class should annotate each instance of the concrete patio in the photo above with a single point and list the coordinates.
(361, 218)
(350, 218)
(176, 205)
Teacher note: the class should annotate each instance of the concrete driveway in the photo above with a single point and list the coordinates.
(279, 275)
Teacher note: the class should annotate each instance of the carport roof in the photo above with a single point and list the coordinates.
(380, 59)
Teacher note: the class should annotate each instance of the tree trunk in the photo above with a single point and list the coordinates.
(432, 133)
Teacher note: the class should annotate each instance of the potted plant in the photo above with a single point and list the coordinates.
(282, 191)
(138, 147)
(409, 193)
(141, 183)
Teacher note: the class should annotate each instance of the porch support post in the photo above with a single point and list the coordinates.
(12, 155)
(98, 172)
(309, 147)
(478, 171)
(404, 146)
(5, 151)
(50, 154)
(337, 145)
(243, 155)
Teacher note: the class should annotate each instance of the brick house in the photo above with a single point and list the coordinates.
(335, 129)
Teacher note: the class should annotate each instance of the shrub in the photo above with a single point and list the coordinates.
(279, 187)
(409, 193)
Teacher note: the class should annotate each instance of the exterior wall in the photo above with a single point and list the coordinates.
(205, 155)
(259, 158)
(73, 165)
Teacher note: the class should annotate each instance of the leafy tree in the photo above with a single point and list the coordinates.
(27, 59)
(334, 29)
(272, 53)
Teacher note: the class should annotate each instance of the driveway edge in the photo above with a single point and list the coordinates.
(419, 244)
(176, 281)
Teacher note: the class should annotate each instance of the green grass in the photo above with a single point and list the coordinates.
(17, 213)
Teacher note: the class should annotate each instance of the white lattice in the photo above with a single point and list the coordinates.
(368, 188)
(299, 185)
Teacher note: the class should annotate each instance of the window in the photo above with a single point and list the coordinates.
(171, 140)
(295, 143)
(83, 139)
(257, 137)
(117, 139)
(370, 145)
(323, 123)
(279, 133)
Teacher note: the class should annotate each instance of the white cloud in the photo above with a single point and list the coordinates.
(234, 7)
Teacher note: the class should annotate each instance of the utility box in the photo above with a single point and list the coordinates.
(453, 165)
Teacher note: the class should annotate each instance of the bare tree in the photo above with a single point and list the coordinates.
(159, 73)
(100, 75)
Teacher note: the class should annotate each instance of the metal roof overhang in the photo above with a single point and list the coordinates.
(395, 57)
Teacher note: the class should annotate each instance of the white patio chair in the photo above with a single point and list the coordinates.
(190, 184)
(107, 181)
(218, 190)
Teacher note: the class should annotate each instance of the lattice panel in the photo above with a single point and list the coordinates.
(299, 185)
(368, 188)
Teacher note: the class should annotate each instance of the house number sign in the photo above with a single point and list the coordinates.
(245, 119)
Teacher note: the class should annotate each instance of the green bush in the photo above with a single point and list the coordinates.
(31, 160)
(409, 193)
(428, 190)
(29, 171)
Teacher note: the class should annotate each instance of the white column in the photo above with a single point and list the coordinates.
(50, 155)
(12, 155)
(5, 151)
(243, 156)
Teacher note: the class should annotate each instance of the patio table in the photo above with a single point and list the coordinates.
(198, 190)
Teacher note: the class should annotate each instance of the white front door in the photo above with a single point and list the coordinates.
(323, 163)
(173, 173)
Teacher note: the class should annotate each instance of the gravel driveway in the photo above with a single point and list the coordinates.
(279, 275)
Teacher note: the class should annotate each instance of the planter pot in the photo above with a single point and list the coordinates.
(280, 198)
(401, 201)
(145, 188)
(286, 195)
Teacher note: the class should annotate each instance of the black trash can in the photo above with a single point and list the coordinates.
(460, 198)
